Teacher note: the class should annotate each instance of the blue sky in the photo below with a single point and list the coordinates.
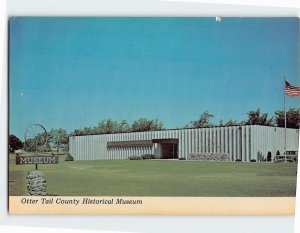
(74, 72)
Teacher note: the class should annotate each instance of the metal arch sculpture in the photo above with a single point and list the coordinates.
(37, 135)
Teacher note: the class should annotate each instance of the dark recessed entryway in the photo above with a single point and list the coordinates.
(169, 147)
(169, 151)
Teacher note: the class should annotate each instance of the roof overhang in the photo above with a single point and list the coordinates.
(137, 143)
(166, 140)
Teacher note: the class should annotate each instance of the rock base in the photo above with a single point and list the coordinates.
(219, 157)
(36, 184)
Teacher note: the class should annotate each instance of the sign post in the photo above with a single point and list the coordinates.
(36, 159)
(36, 182)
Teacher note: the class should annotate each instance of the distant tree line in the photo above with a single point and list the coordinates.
(255, 117)
(58, 139)
(110, 126)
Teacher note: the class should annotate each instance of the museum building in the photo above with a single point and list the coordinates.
(245, 143)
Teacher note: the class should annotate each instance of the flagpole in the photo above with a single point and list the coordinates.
(284, 121)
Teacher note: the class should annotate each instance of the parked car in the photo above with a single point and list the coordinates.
(288, 156)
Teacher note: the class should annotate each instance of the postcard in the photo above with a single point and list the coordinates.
(153, 115)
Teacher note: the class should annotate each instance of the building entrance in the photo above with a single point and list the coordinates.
(168, 148)
(169, 151)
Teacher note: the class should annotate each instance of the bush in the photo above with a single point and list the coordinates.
(134, 157)
(182, 158)
(238, 160)
(253, 160)
(148, 156)
(278, 152)
(69, 157)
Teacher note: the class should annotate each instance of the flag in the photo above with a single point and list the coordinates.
(291, 90)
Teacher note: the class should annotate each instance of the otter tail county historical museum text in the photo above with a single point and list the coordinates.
(84, 201)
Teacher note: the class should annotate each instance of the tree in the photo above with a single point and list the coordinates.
(106, 126)
(59, 139)
(38, 143)
(203, 121)
(257, 118)
(14, 143)
(221, 123)
(232, 123)
(30, 145)
(77, 132)
(123, 126)
(143, 124)
(87, 130)
(292, 118)
(109, 126)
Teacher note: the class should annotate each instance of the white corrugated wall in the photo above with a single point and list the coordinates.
(240, 142)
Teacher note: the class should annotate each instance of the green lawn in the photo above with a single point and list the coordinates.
(159, 178)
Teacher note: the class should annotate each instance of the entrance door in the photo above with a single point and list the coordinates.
(169, 151)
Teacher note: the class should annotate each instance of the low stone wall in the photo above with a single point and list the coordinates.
(36, 183)
(222, 157)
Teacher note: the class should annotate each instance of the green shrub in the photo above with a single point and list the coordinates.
(278, 152)
(69, 157)
(238, 160)
(134, 157)
(253, 160)
(148, 156)
(182, 158)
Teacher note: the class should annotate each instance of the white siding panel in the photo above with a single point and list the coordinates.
(245, 142)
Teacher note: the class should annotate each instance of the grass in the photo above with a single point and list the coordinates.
(159, 178)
